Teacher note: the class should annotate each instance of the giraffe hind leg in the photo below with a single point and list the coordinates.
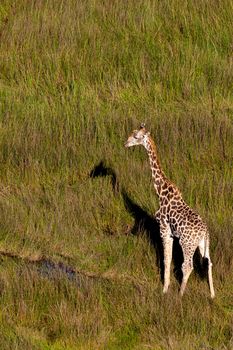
(187, 265)
(187, 268)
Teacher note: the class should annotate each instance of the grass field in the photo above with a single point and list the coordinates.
(78, 267)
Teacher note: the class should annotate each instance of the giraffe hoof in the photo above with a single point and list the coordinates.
(181, 293)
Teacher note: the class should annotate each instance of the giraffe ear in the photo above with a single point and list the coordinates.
(148, 133)
(142, 126)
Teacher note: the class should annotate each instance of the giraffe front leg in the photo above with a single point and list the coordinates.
(157, 215)
(167, 249)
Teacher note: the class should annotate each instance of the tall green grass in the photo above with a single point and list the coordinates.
(75, 78)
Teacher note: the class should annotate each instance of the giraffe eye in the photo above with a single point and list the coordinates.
(138, 137)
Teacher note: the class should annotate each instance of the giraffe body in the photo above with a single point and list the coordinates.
(175, 217)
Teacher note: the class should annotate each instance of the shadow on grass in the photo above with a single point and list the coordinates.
(146, 223)
(101, 170)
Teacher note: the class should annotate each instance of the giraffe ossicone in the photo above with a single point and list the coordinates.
(175, 217)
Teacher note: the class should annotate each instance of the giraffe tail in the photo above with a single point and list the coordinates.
(207, 256)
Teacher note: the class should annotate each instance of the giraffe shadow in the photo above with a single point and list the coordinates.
(101, 170)
(145, 223)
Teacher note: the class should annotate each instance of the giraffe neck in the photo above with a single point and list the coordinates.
(158, 175)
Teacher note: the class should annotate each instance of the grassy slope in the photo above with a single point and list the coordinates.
(76, 77)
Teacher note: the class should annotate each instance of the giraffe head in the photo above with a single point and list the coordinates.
(138, 137)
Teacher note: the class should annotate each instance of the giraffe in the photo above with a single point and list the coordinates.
(175, 217)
